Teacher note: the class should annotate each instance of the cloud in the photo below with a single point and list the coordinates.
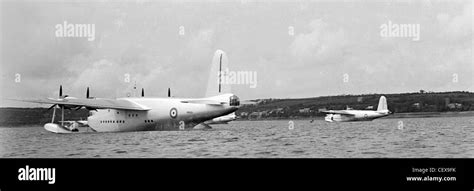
(457, 27)
(321, 44)
(104, 77)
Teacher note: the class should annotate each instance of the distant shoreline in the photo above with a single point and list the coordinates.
(393, 116)
(433, 114)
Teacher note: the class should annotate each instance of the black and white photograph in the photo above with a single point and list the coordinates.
(238, 79)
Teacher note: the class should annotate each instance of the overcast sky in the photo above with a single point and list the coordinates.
(297, 49)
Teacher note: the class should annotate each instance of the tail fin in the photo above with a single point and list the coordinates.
(382, 104)
(216, 84)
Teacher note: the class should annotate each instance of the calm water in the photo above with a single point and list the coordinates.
(408, 137)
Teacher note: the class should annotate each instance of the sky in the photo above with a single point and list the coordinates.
(296, 48)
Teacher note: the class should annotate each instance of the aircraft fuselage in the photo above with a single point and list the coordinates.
(357, 115)
(165, 114)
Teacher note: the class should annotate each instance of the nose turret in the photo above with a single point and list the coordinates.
(234, 100)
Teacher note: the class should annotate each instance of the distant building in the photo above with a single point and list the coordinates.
(322, 109)
(244, 114)
(258, 114)
(370, 107)
(454, 106)
(255, 115)
(305, 110)
(360, 99)
(277, 111)
(416, 105)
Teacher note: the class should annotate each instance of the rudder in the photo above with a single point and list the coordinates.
(382, 104)
(216, 84)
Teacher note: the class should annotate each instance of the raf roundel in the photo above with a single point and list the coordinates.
(173, 112)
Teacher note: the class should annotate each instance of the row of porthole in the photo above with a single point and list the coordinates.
(133, 115)
(148, 121)
(113, 121)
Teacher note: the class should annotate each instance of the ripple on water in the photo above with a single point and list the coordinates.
(119, 151)
(233, 139)
(196, 139)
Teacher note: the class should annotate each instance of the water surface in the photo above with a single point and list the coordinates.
(443, 137)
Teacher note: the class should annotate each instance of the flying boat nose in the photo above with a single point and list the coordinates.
(234, 100)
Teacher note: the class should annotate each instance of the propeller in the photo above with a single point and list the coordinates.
(169, 92)
(88, 97)
(52, 107)
(60, 91)
(60, 96)
(143, 92)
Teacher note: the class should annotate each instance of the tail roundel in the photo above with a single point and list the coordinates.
(217, 83)
(382, 104)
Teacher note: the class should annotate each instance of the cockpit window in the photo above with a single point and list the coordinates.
(234, 101)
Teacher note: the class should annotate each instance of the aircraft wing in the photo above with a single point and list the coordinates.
(97, 103)
(342, 112)
(200, 101)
